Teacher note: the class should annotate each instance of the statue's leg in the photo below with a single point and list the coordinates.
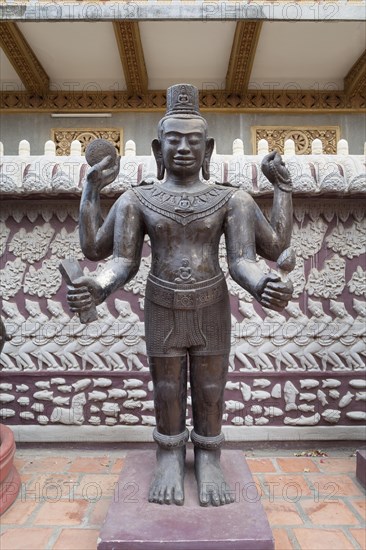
(169, 376)
(208, 379)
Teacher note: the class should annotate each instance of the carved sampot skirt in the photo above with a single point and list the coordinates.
(9, 477)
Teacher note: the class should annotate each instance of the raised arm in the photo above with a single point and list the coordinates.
(128, 237)
(96, 235)
(274, 237)
(240, 234)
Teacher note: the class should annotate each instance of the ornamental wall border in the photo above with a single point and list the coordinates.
(253, 101)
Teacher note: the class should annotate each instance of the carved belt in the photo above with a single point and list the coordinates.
(185, 296)
(187, 302)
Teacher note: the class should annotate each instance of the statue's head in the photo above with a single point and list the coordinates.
(10, 308)
(32, 307)
(359, 306)
(182, 147)
(337, 308)
(293, 309)
(53, 307)
(315, 307)
(123, 307)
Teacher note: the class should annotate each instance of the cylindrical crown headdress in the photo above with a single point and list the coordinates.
(182, 99)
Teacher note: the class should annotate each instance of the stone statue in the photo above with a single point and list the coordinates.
(187, 311)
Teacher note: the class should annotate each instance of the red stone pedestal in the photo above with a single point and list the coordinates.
(9, 477)
(133, 523)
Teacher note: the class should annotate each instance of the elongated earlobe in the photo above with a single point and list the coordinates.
(206, 163)
(156, 147)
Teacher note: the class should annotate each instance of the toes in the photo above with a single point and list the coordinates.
(168, 496)
(229, 498)
(154, 493)
(151, 493)
(204, 500)
(178, 497)
(215, 499)
(161, 497)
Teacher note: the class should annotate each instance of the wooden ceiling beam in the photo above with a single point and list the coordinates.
(132, 55)
(23, 59)
(355, 80)
(242, 55)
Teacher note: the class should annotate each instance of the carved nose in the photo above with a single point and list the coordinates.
(183, 146)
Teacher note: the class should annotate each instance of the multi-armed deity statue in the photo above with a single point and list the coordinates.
(187, 312)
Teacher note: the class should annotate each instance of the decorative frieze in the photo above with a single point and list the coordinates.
(293, 400)
(63, 137)
(253, 101)
(303, 137)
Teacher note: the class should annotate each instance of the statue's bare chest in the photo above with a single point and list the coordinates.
(183, 209)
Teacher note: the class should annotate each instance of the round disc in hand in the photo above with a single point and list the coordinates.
(98, 149)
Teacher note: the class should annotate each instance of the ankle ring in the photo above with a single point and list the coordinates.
(207, 442)
(171, 441)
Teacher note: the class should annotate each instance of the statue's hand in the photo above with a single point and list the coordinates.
(276, 172)
(84, 293)
(274, 293)
(102, 174)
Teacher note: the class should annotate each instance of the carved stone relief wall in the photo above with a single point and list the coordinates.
(304, 366)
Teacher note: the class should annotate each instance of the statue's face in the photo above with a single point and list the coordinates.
(183, 145)
(315, 310)
(338, 309)
(53, 309)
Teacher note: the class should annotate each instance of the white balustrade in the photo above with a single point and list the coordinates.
(75, 148)
(262, 147)
(289, 147)
(130, 148)
(238, 147)
(342, 147)
(50, 148)
(24, 148)
(316, 147)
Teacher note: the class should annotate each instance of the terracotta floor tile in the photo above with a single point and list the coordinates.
(49, 464)
(62, 513)
(360, 536)
(19, 463)
(117, 466)
(334, 486)
(336, 465)
(259, 489)
(19, 512)
(322, 539)
(288, 487)
(282, 542)
(297, 464)
(329, 513)
(75, 539)
(43, 487)
(282, 513)
(360, 506)
(99, 512)
(22, 538)
(260, 465)
(90, 464)
(93, 487)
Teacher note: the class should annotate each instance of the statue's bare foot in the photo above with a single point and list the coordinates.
(212, 487)
(167, 485)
